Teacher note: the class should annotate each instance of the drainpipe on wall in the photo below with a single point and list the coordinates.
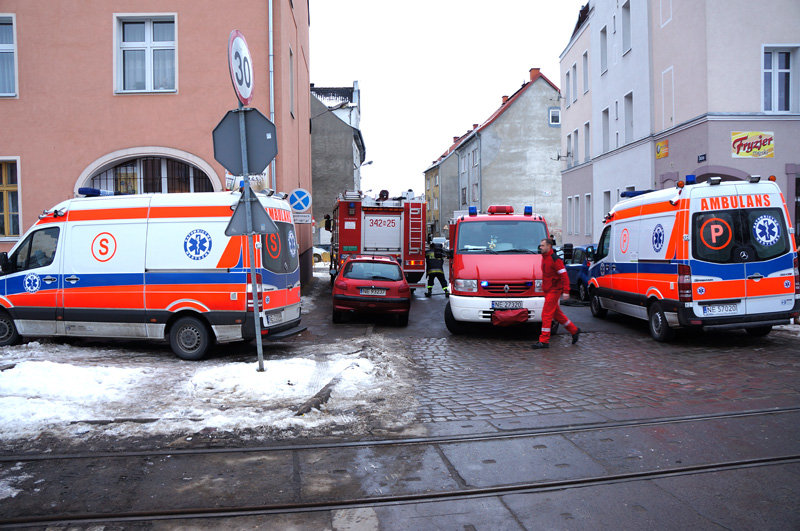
(274, 180)
(480, 173)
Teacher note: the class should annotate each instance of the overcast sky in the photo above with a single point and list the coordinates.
(429, 69)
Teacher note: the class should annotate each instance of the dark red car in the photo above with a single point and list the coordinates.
(373, 284)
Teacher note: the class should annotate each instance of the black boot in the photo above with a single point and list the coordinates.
(539, 345)
(575, 336)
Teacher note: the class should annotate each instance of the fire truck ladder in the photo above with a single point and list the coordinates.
(415, 230)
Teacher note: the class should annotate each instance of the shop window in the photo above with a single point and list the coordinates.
(152, 175)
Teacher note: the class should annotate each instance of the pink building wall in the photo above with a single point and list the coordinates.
(67, 115)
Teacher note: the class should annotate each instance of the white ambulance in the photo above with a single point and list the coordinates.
(155, 266)
(716, 255)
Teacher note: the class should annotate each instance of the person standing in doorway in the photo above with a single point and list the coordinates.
(555, 283)
(434, 268)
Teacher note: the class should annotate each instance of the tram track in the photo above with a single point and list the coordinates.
(350, 497)
(445, 439)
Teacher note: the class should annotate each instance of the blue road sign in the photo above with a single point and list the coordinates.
(300, 200)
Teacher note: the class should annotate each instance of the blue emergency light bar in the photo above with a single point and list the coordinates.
(528, 210)
(473, 211)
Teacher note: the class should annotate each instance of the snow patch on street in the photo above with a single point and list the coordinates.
(133, 391)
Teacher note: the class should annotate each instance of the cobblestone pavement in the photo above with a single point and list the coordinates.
(474, 378)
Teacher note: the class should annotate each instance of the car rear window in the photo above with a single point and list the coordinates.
(745, 235)
(372, 271)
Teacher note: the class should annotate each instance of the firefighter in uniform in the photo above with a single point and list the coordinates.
(434, 262)
(555, 283)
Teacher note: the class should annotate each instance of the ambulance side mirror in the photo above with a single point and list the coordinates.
(5, 263)
(590, 253)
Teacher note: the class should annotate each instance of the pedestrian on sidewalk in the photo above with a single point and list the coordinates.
(555, 283)
(434, 268)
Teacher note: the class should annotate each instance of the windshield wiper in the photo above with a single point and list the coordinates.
(520, 251)
(379, 277)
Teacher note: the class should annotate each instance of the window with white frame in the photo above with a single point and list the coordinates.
(603, 50)
(291, 82)
(146, 53)
(626, 27)
(9, 199)
(587, 145)
(569, 150)
(606, 130)
(8, 54)
(436, 180)
(777, 76)
(587, 218)
(151, 175)
(585, 72)
(576, 159)
(574, 82)
(576, 223)
(606, 202)
(555, 116)
(628, 117)
(569, 215)
(475, 157)
(567, 86)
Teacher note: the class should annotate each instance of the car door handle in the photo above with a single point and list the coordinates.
(757, 276)
(73, 279)
(49, 280)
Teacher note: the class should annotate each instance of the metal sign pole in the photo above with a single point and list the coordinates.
(250, 237)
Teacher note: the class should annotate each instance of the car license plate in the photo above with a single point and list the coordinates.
(373, 291)
(720, 309)
(272, 318)
(506, 305)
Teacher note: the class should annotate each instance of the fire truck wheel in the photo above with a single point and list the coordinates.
(402, 319)
(596, 307)
(759, 331)
(8, 332)
(189, 338)
(455, 327)
(659, 329)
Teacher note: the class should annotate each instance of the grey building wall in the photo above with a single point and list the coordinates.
(448, 185)
(516, 155)
(333, 161)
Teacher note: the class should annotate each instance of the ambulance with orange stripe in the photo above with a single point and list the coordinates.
(155, 266)
(716, 255)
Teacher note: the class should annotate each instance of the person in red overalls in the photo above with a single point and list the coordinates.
(555, 283)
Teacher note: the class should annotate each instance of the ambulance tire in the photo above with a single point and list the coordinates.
(455, 327)
(759, 331)
(8, 331)
(189, 338)
(657, 323)
(596, 306)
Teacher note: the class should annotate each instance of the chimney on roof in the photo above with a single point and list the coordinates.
(455, 138)
(534, 73)
(474, 126)
(505, 99)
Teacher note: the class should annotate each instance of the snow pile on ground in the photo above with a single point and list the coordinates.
(137, 390)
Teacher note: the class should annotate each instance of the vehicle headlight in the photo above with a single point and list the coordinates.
(537, 286)
(465, 285)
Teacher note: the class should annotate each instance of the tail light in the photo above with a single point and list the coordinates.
(341, 285)
(684, 283)
(796, 277)
(250, 294)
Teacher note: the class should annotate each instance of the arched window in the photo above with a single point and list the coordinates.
(147, 175)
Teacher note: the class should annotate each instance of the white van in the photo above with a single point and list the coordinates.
(155, 266)
(716, 255)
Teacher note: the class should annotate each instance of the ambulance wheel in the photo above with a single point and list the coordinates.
(597, 307)
(455, 327)
(659, 329)
(759, 331)
(8, 332)
(189, 338)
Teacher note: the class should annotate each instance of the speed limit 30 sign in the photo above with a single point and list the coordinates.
(241, 67)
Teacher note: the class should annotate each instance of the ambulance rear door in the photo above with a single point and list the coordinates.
(766, 240)
(103, 284)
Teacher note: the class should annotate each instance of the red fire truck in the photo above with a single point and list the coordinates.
(389, 226)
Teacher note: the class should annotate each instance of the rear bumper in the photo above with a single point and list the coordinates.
(371, 304)
(686, 317)
(479, 309)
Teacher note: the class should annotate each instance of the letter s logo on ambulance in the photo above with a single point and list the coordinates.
(766, 230)
(274, 246)
(197, 244)
(104, 246)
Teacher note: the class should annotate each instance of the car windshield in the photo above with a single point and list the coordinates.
(746, 235)
(372, 271)
(501, 236)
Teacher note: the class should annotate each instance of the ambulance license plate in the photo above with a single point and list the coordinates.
(373, 291)
(272, 318)
(720, 309)
(506, 305)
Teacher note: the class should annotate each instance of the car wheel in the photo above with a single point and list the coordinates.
(455, 327)
(583, 292)
(337, 317)
(597, 307)
(759, 331)
(317, 258)
(189, 338)
(659, 329)
(402, 319)
(8, 331)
